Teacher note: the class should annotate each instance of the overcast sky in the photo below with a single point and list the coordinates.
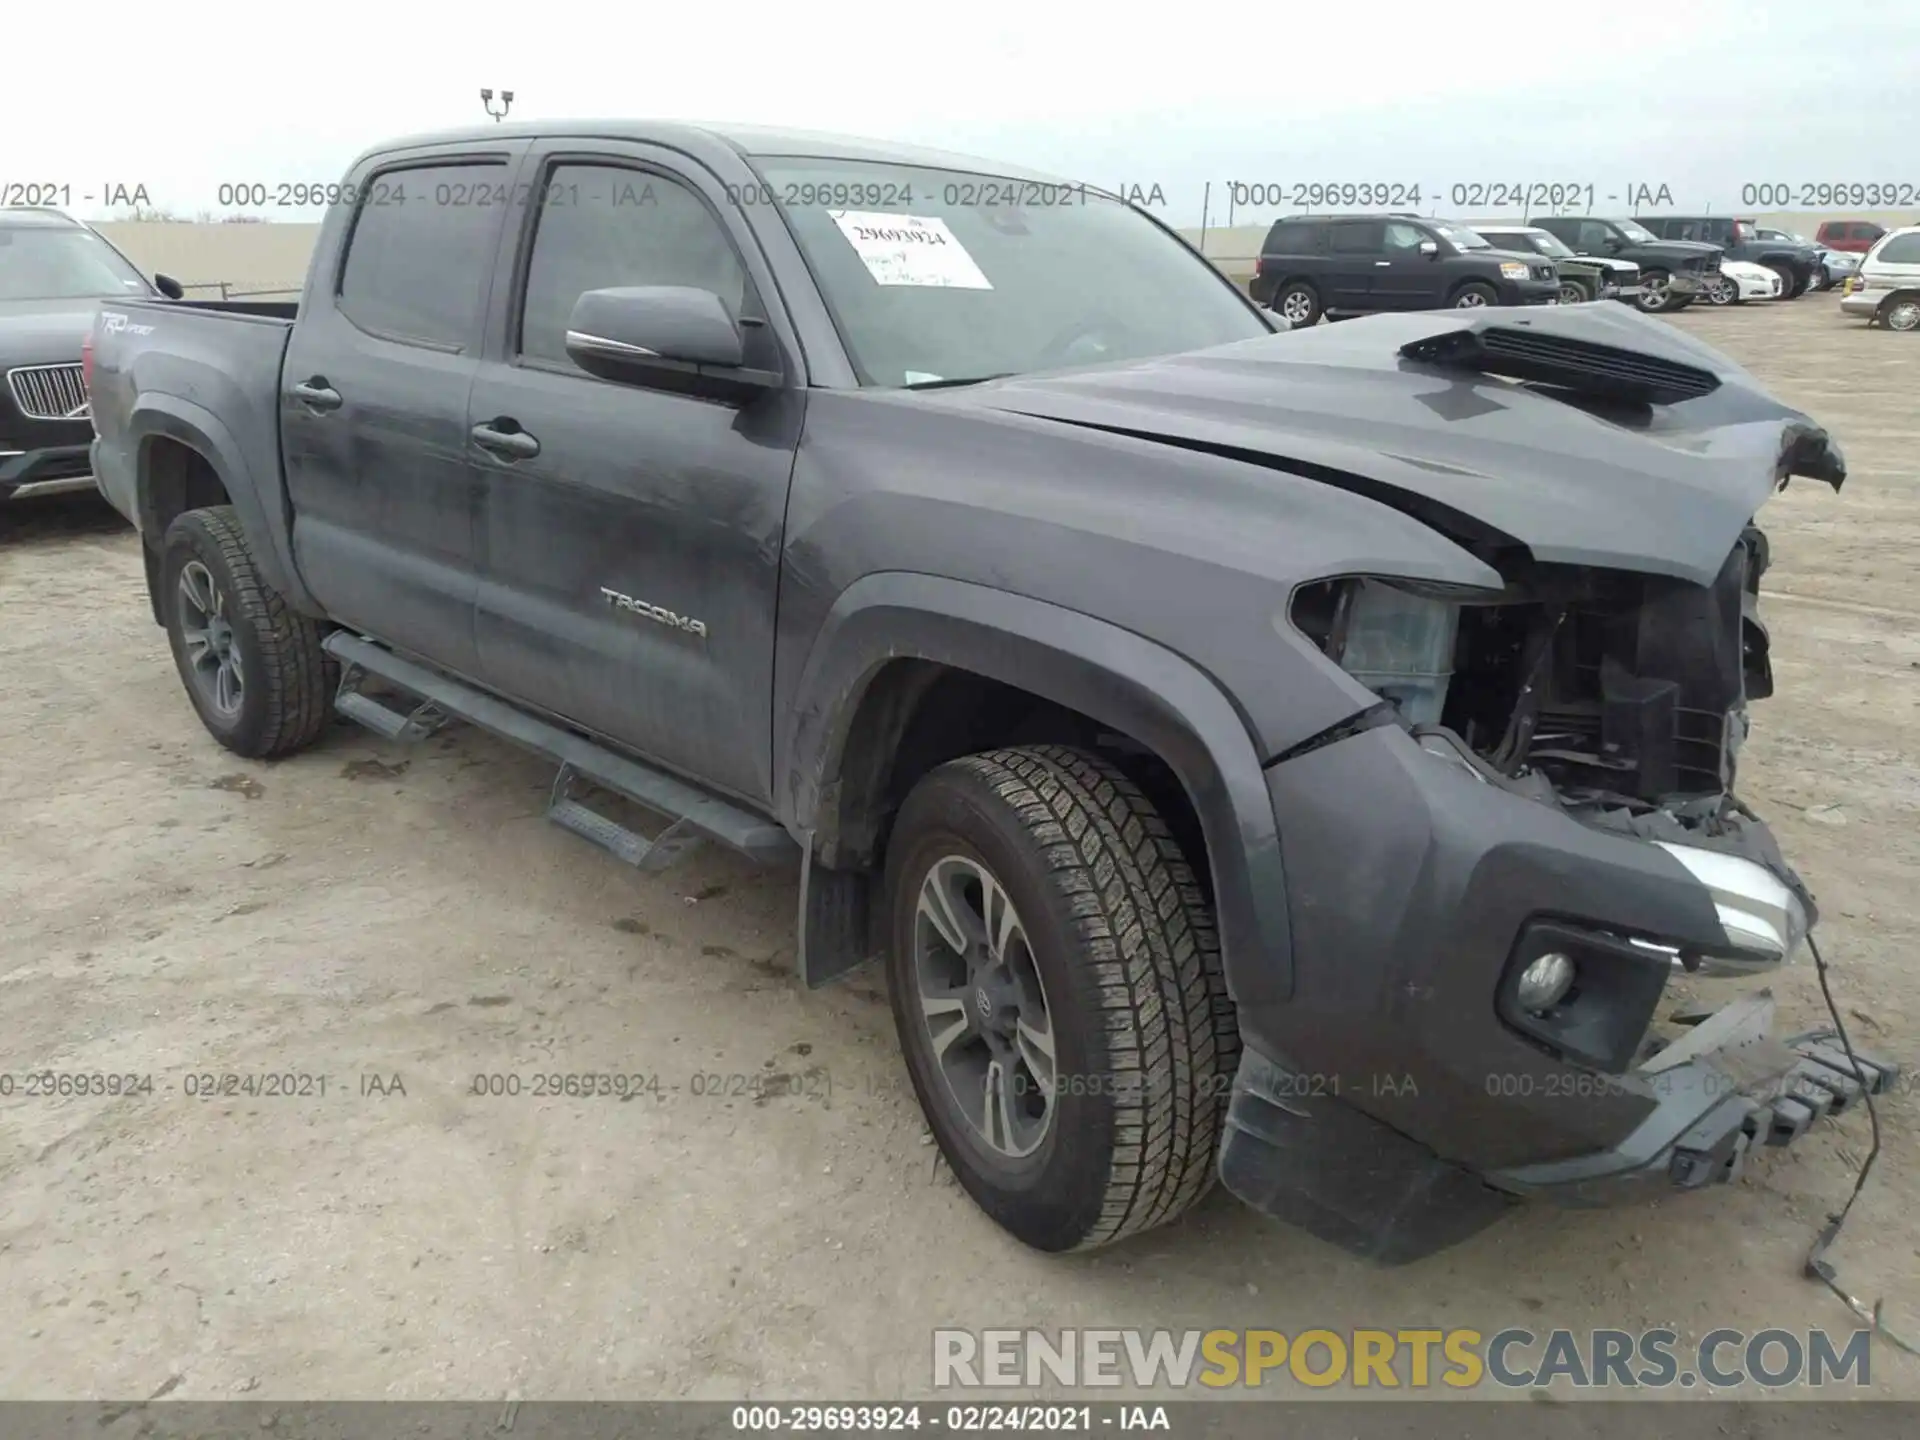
(1703, 96)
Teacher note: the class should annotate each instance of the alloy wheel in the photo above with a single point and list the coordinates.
(207, 634)
(987, 1019)
(1904, 316)
(1297, 305)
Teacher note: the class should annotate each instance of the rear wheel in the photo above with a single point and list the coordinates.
(1056, 984)
(1299, 303)
(251, 664)
(1900, 312)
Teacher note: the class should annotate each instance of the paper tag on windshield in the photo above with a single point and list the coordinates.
(909, 250)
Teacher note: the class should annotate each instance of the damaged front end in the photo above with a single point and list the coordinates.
(1619, 698)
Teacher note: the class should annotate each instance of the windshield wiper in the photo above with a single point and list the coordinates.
(943, 384)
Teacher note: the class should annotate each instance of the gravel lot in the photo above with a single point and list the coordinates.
(365, 913)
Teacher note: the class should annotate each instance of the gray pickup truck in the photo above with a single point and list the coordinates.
(1299, 758)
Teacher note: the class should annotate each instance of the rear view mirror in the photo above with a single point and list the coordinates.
(671, 336)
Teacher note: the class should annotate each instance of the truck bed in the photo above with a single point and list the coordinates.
(214, 364)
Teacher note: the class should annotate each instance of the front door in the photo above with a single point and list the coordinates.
(373, 404)
(1407, 280)
(630, 554)
(1354, 251)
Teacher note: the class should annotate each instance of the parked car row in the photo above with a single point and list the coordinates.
(1342, 265)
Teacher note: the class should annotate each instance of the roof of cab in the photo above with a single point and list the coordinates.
(700, 139)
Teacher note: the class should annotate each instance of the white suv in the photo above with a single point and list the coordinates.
(1887, 290)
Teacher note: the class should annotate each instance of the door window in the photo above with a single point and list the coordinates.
(418, 257)
(1404, 240)
(609, 225)
(1594, 236)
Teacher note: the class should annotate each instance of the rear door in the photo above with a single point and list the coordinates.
(640, 502)
(373, 401)
(1354, 249)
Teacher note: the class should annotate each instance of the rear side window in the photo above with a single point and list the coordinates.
(421, 247)
(607, 225)
(1292, 237)
(1900, 250)
(1362, 237)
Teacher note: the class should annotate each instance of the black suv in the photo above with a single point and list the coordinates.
(1795, 262)
(1673, 273)
(1314, 265)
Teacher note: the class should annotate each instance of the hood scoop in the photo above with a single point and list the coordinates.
(1588, 367)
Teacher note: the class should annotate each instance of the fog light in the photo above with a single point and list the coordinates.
(1544, 983)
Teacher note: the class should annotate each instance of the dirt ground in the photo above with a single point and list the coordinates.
(387, 920)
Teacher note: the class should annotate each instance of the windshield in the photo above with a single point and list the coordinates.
(63, 264)
(939, 276)
(1536, 240)
(1461, 237)
(1639, 234)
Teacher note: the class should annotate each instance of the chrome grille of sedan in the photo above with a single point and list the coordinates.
(49, 392)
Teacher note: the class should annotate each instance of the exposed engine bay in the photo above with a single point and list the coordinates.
(1619, 697)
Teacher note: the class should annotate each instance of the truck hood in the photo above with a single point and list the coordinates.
(1572, 472)
(1672, 249)
(43, 332)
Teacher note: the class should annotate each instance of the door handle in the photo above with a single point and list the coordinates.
(316, 394)
(508, 444)
(1381, 264)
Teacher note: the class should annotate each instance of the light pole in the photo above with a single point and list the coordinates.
(506, 104)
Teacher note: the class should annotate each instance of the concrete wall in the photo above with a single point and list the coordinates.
(274, 256)
(247, 257)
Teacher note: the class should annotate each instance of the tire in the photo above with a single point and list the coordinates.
(281, 688)
(1113, 937)
(1722, 292)
(1302, 298)
(1473, 296)
(1655, 298)
(1899, 312)
(1789, 284)
(1572, 292)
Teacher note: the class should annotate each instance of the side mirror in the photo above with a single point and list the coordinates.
(670, 336)
(168, 286)
(1429, 248)
(1614, 242)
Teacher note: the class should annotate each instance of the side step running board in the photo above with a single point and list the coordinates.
(695, 813)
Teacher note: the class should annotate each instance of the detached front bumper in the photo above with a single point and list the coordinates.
(1401, 1099)
(50, 470)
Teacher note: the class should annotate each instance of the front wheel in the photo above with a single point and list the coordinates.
(1057, 987)
(252, 665)
(1722, 290)
(1572, 292)
(1474, 296)
(1656, 292)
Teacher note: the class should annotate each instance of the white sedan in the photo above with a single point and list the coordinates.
(1740, 281)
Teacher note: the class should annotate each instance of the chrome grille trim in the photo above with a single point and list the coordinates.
(49, 392)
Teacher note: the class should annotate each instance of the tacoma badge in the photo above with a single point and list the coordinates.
(657, 613)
